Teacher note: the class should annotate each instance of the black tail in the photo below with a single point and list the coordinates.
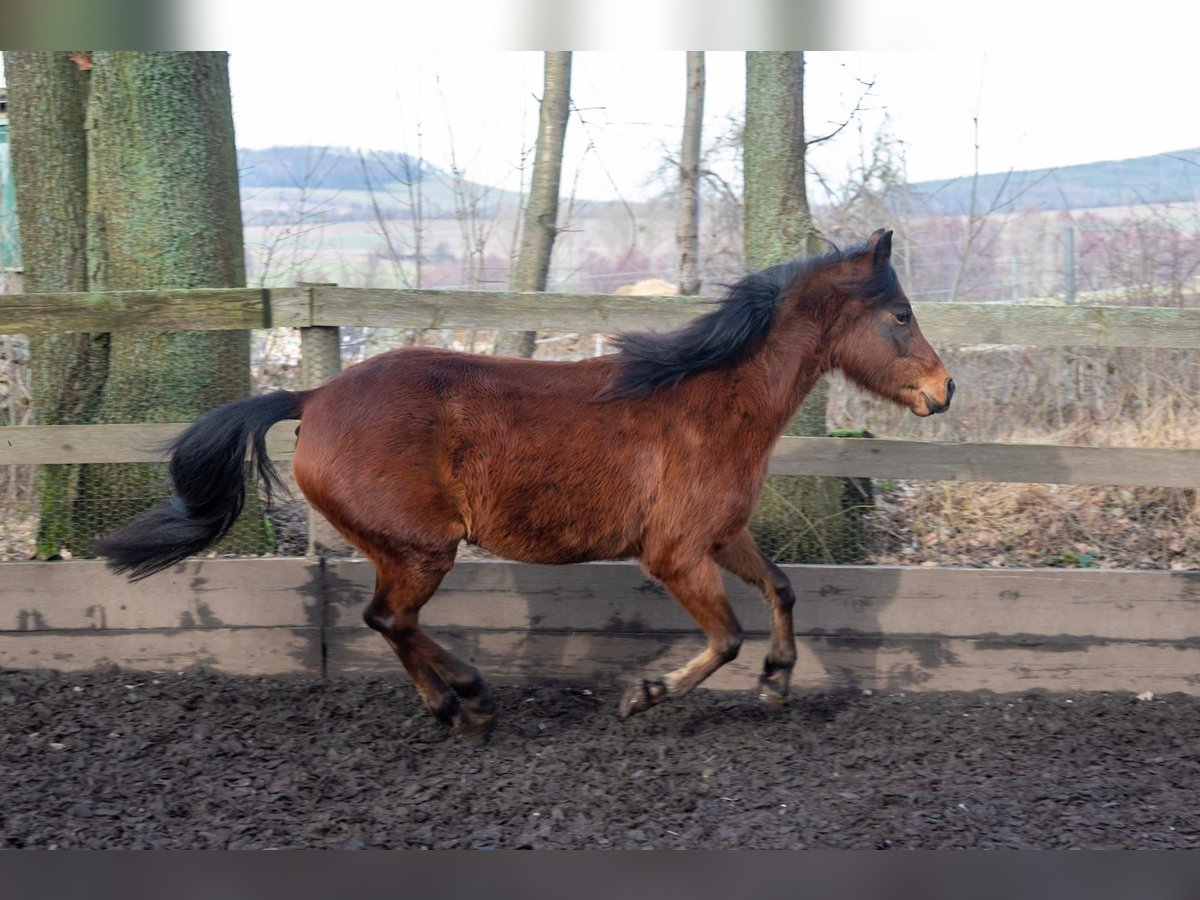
(208, 474)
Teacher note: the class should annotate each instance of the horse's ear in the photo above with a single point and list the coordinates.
(880, 246)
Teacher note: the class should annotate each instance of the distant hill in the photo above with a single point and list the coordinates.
(1163, 178)
(345, 184)
(334, 168)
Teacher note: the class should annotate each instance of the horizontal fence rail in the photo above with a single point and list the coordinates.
(126, 311)
(850, 457)
(302, 307)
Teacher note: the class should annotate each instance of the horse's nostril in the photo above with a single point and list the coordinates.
(949, 389)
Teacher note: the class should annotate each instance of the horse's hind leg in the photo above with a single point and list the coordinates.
(699, 589)
(454, 691)
(475, 700)
(742, 557)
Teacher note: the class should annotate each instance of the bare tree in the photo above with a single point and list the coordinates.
(476, 220)
(410, 178)
(978, 218)
(541, 212)
(688, 234)
(873, 191)
(291, 241)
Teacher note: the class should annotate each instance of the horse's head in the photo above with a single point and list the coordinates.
(876, 342)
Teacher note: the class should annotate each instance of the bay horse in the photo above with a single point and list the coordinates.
(657, 453)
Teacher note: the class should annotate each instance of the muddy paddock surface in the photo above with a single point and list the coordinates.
(193, 760)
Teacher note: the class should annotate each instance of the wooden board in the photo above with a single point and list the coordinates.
(618, 598)
(290, 307)
(198, 594)
(942, 323)
(588, 313)
(610, 598)
(50, 444)
(1059, 326)
(192, 310)
(952, 461)
(859, 457)
(235, 651)
(895, 664)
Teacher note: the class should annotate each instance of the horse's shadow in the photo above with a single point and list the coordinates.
(739, 713)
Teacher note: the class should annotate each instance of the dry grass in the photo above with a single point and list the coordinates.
(985, 524)
(1067, 397)
(1000, 525)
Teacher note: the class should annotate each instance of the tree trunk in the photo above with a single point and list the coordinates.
(798, 519)
(163, 212)
(777, 218)
(541, 213)
(687, 236)
(778, 223)
(47, 100)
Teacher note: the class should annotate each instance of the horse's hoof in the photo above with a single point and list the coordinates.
(469, 728)
(771, 693)
(480, 705)
(641, 695)
(771, 700)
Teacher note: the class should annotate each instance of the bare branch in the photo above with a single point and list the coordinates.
(867, 86)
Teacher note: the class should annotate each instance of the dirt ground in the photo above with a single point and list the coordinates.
(122, 760)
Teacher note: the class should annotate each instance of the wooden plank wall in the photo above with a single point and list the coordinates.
(893, 628)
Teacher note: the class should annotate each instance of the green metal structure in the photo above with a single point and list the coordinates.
(10, 248)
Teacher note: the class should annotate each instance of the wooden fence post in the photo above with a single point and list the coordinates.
(1068, 242)
(320, 360)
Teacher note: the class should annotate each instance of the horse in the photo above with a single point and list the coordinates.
(656, 452)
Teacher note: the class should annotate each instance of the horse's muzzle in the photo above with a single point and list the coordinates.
(933, 405)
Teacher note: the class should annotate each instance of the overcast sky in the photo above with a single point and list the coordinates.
(1034, 108)
(1070, 88)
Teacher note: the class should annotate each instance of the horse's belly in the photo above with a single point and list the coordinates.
(558, 501)
(539, 524)
(555, 547)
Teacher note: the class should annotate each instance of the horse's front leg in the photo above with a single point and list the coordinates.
(697, 586)
(742, 558)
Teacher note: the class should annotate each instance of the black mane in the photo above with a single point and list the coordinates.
(733, 330)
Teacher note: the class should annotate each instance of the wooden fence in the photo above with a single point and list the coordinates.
(916, 628)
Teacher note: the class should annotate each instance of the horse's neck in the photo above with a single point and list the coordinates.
(761, 395)
(778, 378)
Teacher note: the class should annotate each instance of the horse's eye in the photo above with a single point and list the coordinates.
(903, 316)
